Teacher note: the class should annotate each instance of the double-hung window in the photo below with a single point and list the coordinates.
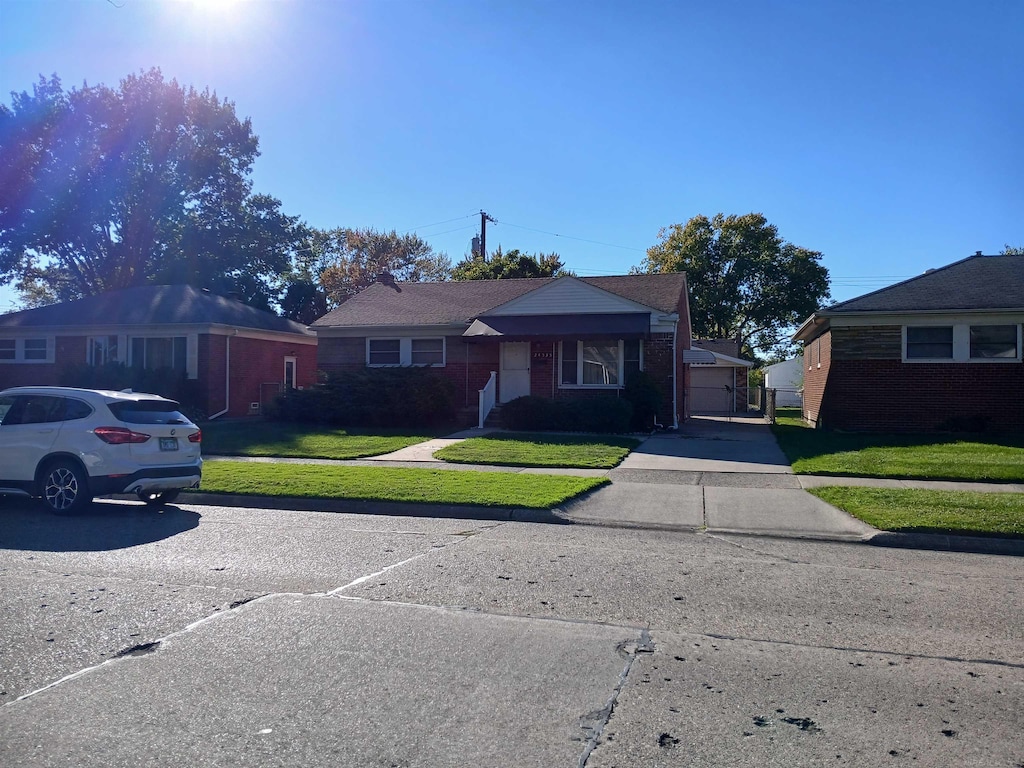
(384, 352)
(405, 352)
(962, 343)
(930, 342)
(427, 351)
(28, 350)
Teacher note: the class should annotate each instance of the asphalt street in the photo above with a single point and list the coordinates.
(215, 636)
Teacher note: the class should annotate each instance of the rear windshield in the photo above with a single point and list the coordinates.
(148, 412)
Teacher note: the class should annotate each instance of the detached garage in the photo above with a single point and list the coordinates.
(718, 380)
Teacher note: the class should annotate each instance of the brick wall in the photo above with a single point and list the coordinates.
(889, 395)
(862, 384)
(257, 370)
(659, 364)
(817, 364)
(467, 364)
(68, 351)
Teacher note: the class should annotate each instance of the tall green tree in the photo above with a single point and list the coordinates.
(501, 266)
(1012, 250)
(104, 188)
(745, 281)
(341, 262)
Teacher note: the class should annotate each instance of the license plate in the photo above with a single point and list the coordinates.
(168, 443)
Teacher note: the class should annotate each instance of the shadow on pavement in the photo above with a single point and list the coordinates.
(25, 525)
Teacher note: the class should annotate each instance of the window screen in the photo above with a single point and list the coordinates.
(930, 342)
(385, 352)
(427, 351)
(35, 349)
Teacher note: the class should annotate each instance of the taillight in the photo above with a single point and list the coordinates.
(197, 437)
(119, 435)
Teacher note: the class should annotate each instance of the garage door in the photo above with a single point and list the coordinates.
(710, 390)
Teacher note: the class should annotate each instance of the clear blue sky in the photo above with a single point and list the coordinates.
(888, 135)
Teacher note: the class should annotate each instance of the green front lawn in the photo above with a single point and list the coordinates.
(536, 450)
(426, 486)
(925, 511)
(299, 441)
(933, 457)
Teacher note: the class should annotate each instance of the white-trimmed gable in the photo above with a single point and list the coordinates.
(569, 296)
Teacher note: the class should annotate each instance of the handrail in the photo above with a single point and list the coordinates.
(487, 398)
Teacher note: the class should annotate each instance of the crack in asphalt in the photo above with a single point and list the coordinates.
(593, 723)
(851, 649)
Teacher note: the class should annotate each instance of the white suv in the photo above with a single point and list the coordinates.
(67, 445)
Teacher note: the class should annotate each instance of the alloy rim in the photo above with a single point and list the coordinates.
(61, 488)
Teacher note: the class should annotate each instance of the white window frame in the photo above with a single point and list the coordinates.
(405, 352)
(579, 365)
(104, 341)
(19, 351)
(961, 344)
(129, 345)
(293, 384)
(413, 341)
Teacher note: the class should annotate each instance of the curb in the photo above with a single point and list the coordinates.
(357, 507)
(558, 516)
(979, 545)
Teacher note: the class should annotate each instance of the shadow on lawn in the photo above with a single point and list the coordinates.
(801, 443)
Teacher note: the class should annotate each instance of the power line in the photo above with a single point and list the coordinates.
(448, 231)
(570, 237)
(437, 223)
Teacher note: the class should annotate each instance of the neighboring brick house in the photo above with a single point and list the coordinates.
(939, 351)
(718, 384)
(563, 337)
(239, 356)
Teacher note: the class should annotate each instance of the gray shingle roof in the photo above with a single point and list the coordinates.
(151, 305)
(977, 282)
(463, 300)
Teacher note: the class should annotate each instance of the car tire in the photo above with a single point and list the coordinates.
(158, 498)
(64, 488)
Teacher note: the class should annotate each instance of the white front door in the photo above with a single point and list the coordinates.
(515, 370)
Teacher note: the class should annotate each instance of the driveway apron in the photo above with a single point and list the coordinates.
(737, 443)
(717, 473)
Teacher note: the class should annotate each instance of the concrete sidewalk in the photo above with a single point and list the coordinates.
(716, 474)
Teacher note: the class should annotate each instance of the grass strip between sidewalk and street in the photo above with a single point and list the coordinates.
(300, 441)
(424, 486)
(914, 456)
(536, 450)
(916, 510)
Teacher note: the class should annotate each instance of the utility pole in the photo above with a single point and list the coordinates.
(484, 218)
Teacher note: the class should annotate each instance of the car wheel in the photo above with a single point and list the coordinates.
(65, 488)
(156, 498)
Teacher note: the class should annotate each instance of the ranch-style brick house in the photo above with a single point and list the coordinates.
(939, 351)
(239, 357)
(564, 337)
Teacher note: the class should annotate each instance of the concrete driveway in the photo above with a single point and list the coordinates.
(737, 443)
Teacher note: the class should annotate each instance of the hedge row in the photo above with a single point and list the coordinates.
(372, 397)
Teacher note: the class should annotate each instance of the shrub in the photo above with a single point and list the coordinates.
(372, 397)
(530, 414)
(645, 396)
(538, 414)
